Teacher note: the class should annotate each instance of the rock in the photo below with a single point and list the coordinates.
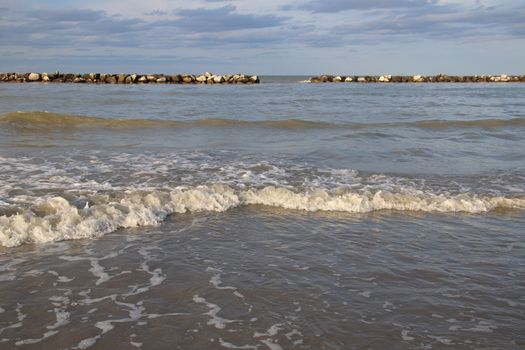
(384, 78)
(417, 78)
(123, 78)
(218, 79)
(337, 79)
(349, 79)
(33, 77)
(187, 79)
(361, 80)
(201, 78)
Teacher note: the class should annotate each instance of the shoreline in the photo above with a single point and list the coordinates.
(125, 78)
(440, 78)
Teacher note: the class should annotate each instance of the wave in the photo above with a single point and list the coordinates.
(39, 120)
(47, 120)
(56, 218)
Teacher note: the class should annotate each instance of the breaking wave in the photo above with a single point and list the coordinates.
(39, 120)
(55, 219)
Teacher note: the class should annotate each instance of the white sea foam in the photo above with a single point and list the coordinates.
(215, 320)
(56, 219)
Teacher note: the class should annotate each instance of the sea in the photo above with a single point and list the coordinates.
(280, 215)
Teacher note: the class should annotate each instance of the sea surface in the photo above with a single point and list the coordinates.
(274, 216)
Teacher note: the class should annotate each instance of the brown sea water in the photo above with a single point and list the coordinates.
(277, 216)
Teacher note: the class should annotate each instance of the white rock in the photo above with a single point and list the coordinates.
(361, 80)
(34, 77)
(349, 79)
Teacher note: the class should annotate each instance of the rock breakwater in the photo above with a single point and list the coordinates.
(100, 78)
(441, 78)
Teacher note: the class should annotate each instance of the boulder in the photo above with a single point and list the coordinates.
(349, 79)
(187, 79)
(143, 79)
(33, 77)
(218, 79)
(161, 80)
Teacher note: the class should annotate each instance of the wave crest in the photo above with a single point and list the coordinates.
(38, 120)
(56, 219)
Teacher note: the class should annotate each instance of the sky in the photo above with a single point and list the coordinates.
(286, 37)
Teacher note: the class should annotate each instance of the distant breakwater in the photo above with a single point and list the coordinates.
(100, 78)
(441, 78)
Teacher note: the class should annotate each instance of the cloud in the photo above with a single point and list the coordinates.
(222, 32)
(443, 22)
(200, 28)
(70, 15)
(156, 13)
(68, 28)
(222, 19)
(333, 6)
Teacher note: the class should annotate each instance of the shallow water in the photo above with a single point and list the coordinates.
(271, 216)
